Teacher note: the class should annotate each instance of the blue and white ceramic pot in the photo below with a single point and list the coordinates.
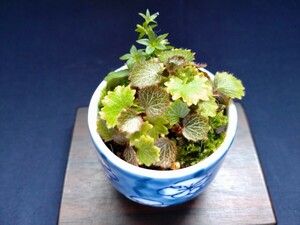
(153, 187)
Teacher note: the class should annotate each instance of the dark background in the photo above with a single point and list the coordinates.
(53, 54)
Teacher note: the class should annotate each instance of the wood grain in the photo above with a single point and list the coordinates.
(238, 195)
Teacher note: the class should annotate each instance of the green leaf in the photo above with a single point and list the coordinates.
(135, 56)
(185, 54)
(105, 133)
(228, 85)
(129, 121)
(148, 17)
(168, 152)
(154, 43)
(147, 153)
(195, 127)
(130, 156)
(190, 90)
(115, 102)
(158, 126)
(154, 100)
(116, 75)
(144, 41)
(208, 108)
(146, 74)
(140, 29)
(115, 78)
(177, 110)
(145, 127)
(150, 49)
(188, 72)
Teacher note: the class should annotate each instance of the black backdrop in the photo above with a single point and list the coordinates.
(53, 54)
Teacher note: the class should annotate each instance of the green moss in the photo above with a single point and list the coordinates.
(190, 153)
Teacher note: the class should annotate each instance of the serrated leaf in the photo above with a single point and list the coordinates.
(115, 102)
(147, 153)
(177, 110)
(154, 100)
(145, 127)
(168, 152)
(186, 54)
(190, 90)
(195, 127)
(105, 133)
(228, 85)
(188, 71)
(208, 108)
(130, 156)
(146, 74)
(129, 121)
(158, 126)
(176, 62)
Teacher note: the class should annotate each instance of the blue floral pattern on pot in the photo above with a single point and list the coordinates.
(109, 173)
(185, 188)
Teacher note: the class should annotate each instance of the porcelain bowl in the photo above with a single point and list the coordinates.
(158, 188)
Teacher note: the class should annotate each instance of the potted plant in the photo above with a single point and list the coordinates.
(162, 124)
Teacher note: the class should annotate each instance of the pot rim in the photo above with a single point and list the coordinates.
(167, 174)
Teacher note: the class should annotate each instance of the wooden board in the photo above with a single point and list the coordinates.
(238, 195)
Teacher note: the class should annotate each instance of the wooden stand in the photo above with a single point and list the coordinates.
(238, 195)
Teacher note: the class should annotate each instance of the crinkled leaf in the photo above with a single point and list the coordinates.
(177, 110)
(145, 127)
(158, 126)
(129, 121)
(195, 127)
(228, 85)
(188, 71)
(146, 73)
(186, 54)
(115, 102)
(208, 108)
(147, 153)
(168, 152)
(130, 156)
(105, 133)
(154, 100)
(120, 138)
(190, 90)
(175, 62)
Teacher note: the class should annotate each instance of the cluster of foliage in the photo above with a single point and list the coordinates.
(162, 111)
